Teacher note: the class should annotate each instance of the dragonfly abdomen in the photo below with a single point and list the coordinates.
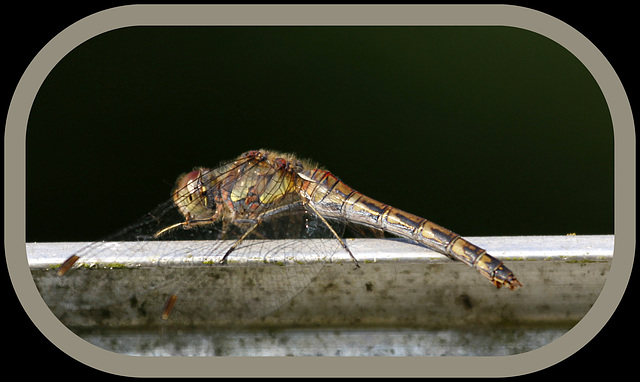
(334, 199)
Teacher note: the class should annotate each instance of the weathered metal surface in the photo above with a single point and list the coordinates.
(397, 285)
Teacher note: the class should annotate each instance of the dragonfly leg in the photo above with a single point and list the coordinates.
(235, 245)
(256, 223)
(335, 234)
(186, 225)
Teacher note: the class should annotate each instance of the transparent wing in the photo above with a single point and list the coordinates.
(264, 272)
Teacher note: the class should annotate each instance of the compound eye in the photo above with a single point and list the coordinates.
(189, 188)
(189, 182)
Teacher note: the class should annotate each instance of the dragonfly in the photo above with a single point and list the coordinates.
(266, 195)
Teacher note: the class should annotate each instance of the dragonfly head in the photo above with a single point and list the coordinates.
(191, 197)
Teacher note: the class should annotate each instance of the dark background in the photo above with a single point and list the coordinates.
(484, 130)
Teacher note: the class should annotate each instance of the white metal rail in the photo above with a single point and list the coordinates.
(403, 300)
(397, 284)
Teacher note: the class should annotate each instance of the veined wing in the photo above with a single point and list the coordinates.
(258, 277)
